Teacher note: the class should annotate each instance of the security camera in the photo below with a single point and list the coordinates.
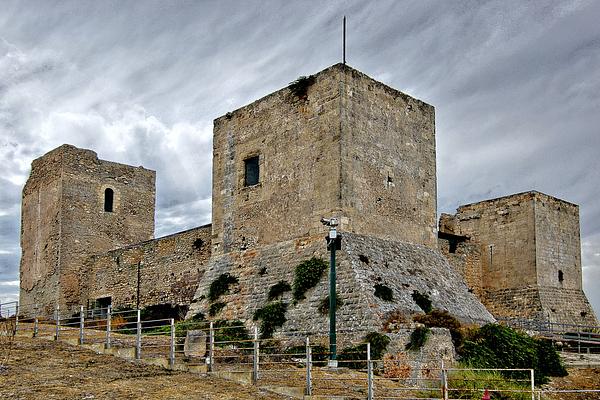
(333, 222)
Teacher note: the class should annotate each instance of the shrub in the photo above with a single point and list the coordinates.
(383, 292)
(355, 356)
(496, 346)
(215, 308)
(278, 289)
(443, 319)
(324, 304)
(272, 316)
(220, 286)
(418, 338)
(306, 276)
(320, 354)
(422, 301)
(164, 311)
(299, 87)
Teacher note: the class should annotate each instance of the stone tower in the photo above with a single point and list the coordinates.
(335, 143)
(522, 255)
(75, 205)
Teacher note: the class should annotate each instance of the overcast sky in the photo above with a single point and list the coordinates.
(515, 84)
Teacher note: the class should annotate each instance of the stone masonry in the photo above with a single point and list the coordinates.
(165, 270)
(522, 255)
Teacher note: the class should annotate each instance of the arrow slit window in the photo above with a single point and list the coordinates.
(251, 171)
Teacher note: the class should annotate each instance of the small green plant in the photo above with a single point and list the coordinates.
(306, 276)
(383, 292)
(278, 289)
(422, 301)
(443, 319)
(470, 384)
(272, 316)
(215, 308)
(220, 286)
(324, 304)
(355, 356)
(418, 338)
(299, 87)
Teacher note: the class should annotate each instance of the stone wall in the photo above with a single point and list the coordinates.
(388, 163)
(558, 246)
(363, 262)
(465, 257)
(506, 227)
(169, 270)
(64, 219)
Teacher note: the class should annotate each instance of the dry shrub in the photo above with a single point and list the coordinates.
(8, 331)
(118, 322)
(396, 366)
(395, 321)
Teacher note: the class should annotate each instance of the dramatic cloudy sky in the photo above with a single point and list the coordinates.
(516, 86)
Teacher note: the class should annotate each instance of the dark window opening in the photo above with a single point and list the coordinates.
(108, 200)
(453, 244)
(198, 243)
(251, 171)
(101, 306)
(561, 276)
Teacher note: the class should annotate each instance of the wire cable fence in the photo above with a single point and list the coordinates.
(298, 361)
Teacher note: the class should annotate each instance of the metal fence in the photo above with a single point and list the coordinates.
(291, 362)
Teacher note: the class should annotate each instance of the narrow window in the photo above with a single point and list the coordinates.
(561, 276)
(452, 246)
(108, 200)
(251, 171)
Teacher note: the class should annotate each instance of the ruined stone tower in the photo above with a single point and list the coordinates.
(75, 205)
(522, 255)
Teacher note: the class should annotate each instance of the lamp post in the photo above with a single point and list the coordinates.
(333, 243)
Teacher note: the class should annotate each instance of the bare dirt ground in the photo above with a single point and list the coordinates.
(578, 378)
(40, 369)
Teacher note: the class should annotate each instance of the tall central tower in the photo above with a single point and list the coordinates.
(335, 143)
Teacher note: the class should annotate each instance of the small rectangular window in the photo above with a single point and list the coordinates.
(251, 171)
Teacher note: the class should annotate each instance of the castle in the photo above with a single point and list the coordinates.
(337, 143)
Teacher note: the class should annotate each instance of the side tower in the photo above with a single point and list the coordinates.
(529, 259)
(75, 205)
(335, 143)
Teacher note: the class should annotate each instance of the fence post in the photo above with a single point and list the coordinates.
(532, 384)
(211, 347)
(308, 368)
(81, 324)
(172, 347)
(369, 373)
(444, 378)
(255, 359)
(57, 333)
(16, 317)
(35, 321)
(138, 336)
(108, 322)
